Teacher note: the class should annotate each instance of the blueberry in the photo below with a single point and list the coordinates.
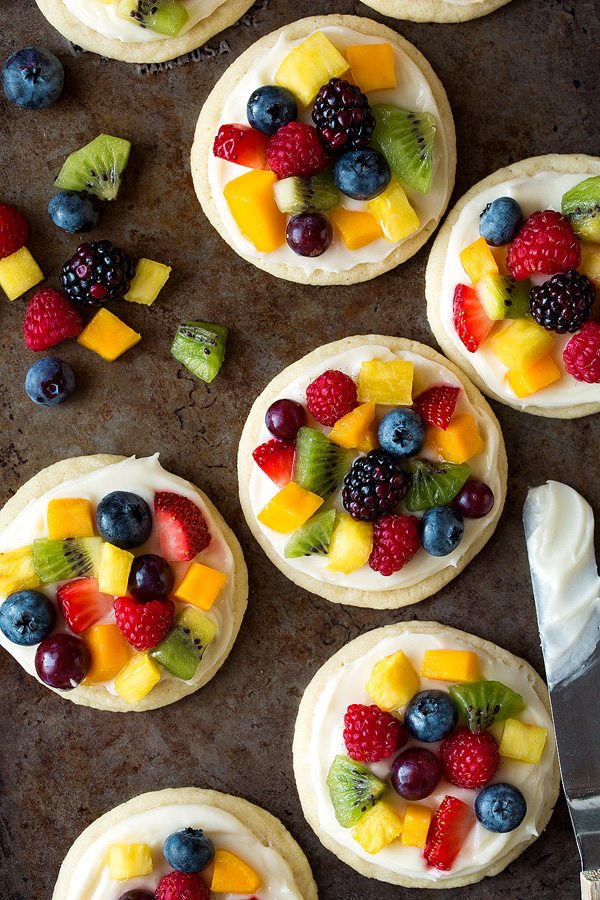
(430, 716)
(33, 78)
(270, 108)
(361, 174)
(500, 221)
(50, 381)
(124, 519)
(189, 850)
(442, 529)
(500, 807)
(27, 617)
(74, 211)
(401, 432)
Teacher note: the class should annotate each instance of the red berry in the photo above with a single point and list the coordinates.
(370, 734)
(581, 356)
(144, 625)
(182, 529)
(276, 460)
(242, 145)
(469, 318)
(50, 319)
(449, 827)
(545, 244)
(470, 760)
(14, 230)
(178, 886)
(436, 405)
(296, 150)
(82, 604)
(331, 396)
(395, 541)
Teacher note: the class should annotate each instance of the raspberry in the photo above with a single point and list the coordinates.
(97, 273)
(375, 484)
(331, 396)
(563, 303)
(469, 760)
(581, 356)
(343, 117)
(296, 150)
(395, 541)
(436, 405)
(178, 886)
(50, 319)
(14, 230)
(144, 625)
(370, 734)
(545, 244)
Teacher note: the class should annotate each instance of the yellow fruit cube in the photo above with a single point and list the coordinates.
(522, 741)
(231, 875)
(351, 545)
(527, 381)
(372, 66)
(357, 227)
(137, 678)
(113, 570)
(459, 442)
(590, 262)
(478, 260)
(71, 517)
(127, 861)
(309, 66)
(200, 586)
(370, 440)
(289, 509)
(521, 344)
(352, 428)
(393, 682)
(17, 572)
(378, 827)
(450, 665)
(149, 279)
(251, 202)
(500, 254)
(387, 383)
(392, 210)
(416, 825)
(18, 273)
(109, 653)
(107, 336)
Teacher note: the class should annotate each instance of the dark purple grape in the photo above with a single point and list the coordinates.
(62, 661)
(284, 419)
(151, 578)
(309, 234)
(137, 894)
(416, 773)
(474, 500)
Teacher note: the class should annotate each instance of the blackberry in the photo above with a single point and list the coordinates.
(343, 117)
(98, 272)
(563, 303)
(374, 486)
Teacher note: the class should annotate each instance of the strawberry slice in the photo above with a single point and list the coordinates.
(469, 319)
(436, 405)
(276, 459)
(242, 145)
(82, 604)
(182, 529)
(449, 828)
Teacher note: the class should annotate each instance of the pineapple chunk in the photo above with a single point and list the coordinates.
(521, 344)
(393, 682)
(309, 66)
(17, 572)
(416, 825)
(251, 202)
(459, 442)
(69, 518)
(532, 379)
(351, 545)
(370, 440)
(127, 861)
(352, 428)
(590, 262)
(137, 678)
(372, 66)
(450, 665)
(18, 273)
(289, 509)
(478, 260)
(231, 875)
(392, 210)
(150, 278)
(388, 383)
(357, 227)
(378, 827)
(200, 586)
(522, 741)
(113, 570)
(109, 653)
(107, 336)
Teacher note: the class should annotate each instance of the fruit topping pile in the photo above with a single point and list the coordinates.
(351, 494)
(433, 740)
(98, 608)
(531, 281)
(307, 176)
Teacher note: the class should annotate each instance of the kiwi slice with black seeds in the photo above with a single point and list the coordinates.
(353, 790)
(96, 168)
(434, 484)
(482, 703)
(581, 206)
(184, 646)
(297, 195)
(319, 465)
(200, 347)
(71, 558)
(163, 16)
(406, 140)
(313, 538)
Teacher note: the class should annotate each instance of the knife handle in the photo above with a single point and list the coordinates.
(590, 885)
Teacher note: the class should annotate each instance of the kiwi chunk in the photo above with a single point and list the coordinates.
(183, 648)
(502, 297)
(299, 195)
(319, 465)
(71, 558)
(200, 347)
(406, 140)
(481, 703)
(97, 168)
(163, 16)
(313, 538)
(581, 206)
(353, 790)
(433, 485)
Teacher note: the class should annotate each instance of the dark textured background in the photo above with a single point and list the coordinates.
(521, 81)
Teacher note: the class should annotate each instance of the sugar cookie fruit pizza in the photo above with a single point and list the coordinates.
(424, 756)
(121, 587)
(326, 153)
(371, 471)
(185, 842)
(436, 10)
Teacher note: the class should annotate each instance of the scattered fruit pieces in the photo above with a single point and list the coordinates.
(14, 230)
(127, 861)
(372, 66)
(450, 826)
(144, 625)
(251, 202)
(521, 344)
(417, 819)
(276, 460)
(108, 336)
(242, 145)
(82, 603)
(450, 665)
(469, 318)
(395, 541)
(478, 260)
(309, 66)
(232, 875)
(353, 790)
(436, 405)
(469, 759)
(200, 586)
(289, 509)
(523, 741)
(50, 319)
(459, 442)
(386, 383)
(393, 213)
(69, 517)
(372, 734)
(182, 529)
(296, 150)
(356, 227)
(331, 396)
(378, 827)
(545, 244)
(50, 381)
(351, 545)
(18, 273)
(581, 356)
(540, 374)
(113, 570)
(393, 682)
(74, 211)
(137, 679)
(108, 651)
(33, 78)
(200, 347)
(149, 279)
(96, 168)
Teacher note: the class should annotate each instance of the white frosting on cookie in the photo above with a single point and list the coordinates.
(102, 17)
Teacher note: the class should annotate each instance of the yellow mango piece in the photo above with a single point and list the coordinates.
(522, 741)
(200, 586)
(251, 202)
(357, 227)
(231, 875)
(393, 682)
(450, 665)
(416, 825)
(370, 441)
(459, 442)
(521, 344)
(352, 428)
(289, 509)
(137, 678)
(127, 861)
(113, 570)
(478, 260)
(500, 254)
(309, 66)
(17, 572)
(149, 279)
(351, 544)
(393, 212)
(387, 383)
(372, 66)
(527, 381)
(107, 336)
(71, 517)
(590, 263)
(109, 653)
(378, 827)
(18, 273)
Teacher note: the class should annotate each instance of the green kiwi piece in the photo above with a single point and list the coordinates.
(353, 790)
(581, 206)
(406, 140)
(502, 297)
(72, 558)
(313, 538)
(319, 465)
(163, 16)
(183, 648)
(296, 195)
(434, 484)
(481, 703)
(96, 168)
(200, 347)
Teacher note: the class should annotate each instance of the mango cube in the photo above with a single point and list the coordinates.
(370, 441)
(352, 428)
(18, 273)
(108, 336)
(309, 66)
(522, 741)
(393, 682)
(251, 202)
(200, 586)
(109, 653)
(535, 377)
(521, 344)
(17, 572)
(350, 546)
(70, 517)
(416, 825)
(113, 570)
(231, 875)
(459, 442)
(478, 260)
(392, 210)
(289, 509)
(450, 665)
(387, 383)
(127, 861)
(590, 263)
(378, 827)
(372, 66)
(137, 678)
(357, 227)
(149, 279)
